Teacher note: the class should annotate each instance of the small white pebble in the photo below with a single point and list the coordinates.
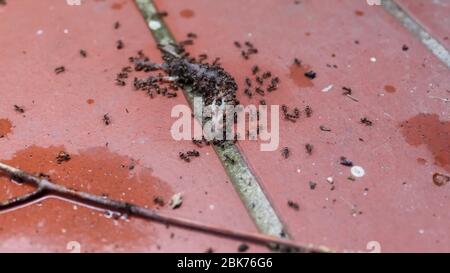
(373, 60)
(211, 207)
(39, 32)
(357, 171)
(154, 25)
(328, 88)
(66, 31)
(421, 231)
(330, 180)
(299, 171)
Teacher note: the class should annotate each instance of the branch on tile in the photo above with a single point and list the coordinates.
(46, 188)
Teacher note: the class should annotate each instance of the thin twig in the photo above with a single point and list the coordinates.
(46, 188)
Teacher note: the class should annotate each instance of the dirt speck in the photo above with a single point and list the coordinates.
(51, 223)
(359, 13)
(5, 127)
(390, 89)
(187, 13)
(429, 130)
(297, 74)
(90, 101)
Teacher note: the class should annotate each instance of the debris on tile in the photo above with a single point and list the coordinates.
(330, 180)
(441, 179)
(176, 201)
(62, 157)
(312, 185)
(158, 200)
(328, 88)
(324, 128)
(357, 171)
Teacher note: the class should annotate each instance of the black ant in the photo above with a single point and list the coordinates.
(311, 75)
(345, 162)
(83, 53)
(106, 119)
(308, 111)
(255, 70)
(19, 109)
(60, 69)
(285, 152)
(366, 121)
(119, 44)
(309, 149)
(62, 157)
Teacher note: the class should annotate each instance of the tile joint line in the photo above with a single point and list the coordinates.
(439, 50)
(244, 181)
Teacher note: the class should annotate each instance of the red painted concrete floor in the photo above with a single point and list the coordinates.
(64, 112)
(347, 43)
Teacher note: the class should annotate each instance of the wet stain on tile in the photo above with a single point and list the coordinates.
(429, 130)
(90, 101)
(187, 13)
(390, 89)
(117, 5)
(421, 161)
(52, 223)
(297, 74)
(5, 127)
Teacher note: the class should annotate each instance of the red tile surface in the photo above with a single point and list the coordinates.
(64, 112)
(396, 203)
(433, 15)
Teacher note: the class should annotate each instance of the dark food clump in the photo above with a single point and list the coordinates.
(210, 81)
(2, 2)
